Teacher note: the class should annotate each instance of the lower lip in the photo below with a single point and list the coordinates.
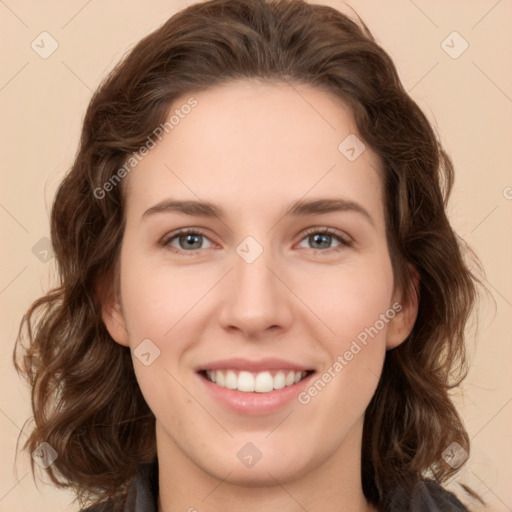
(254, 403)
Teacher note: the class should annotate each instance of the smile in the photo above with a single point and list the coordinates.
(254, 387)
(260, 382)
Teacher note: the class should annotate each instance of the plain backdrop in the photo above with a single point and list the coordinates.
(465, 92)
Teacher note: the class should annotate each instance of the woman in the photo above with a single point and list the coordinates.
(255, 310)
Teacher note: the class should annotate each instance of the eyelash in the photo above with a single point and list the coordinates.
(345, 241)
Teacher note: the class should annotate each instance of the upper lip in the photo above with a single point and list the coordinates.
(253, 365)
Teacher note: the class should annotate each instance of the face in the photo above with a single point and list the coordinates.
(289, 306)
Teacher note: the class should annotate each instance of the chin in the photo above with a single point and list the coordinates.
(269, 465)
(260, 475)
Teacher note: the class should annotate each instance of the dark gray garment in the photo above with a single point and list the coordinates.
(428, 496)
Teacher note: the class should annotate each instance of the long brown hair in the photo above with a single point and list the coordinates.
(86, 402)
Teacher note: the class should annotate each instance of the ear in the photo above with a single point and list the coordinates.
(112, 312)
(407, 311)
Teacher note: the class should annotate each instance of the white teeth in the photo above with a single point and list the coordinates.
(279, 380)
(262, 382)
(231, 380)
(245, 382)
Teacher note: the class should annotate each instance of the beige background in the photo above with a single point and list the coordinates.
(469, 99)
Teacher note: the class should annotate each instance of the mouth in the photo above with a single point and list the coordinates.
(265, 381)
(254, 387)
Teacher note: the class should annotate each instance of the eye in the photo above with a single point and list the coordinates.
(322, 237)
(191, 239)
(187, 239)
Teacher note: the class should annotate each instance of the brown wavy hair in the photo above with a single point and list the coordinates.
(86, 401)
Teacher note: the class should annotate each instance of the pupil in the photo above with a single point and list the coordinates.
(318, 238)
(190, 239)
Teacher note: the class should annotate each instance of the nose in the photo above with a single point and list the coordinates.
(256, 299)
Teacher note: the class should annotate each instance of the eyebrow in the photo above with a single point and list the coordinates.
(300, 208)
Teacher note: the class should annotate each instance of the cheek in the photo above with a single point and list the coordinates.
(350, 298)
(155, 298)
(358, 311)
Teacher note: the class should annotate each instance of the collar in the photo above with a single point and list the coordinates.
(142, 494)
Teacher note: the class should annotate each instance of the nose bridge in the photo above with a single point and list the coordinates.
(252, 267)
(257, 298)
(254, 283)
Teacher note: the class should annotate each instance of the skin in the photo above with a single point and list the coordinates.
(253, 148)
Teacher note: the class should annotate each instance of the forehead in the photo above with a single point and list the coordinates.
(256, 143)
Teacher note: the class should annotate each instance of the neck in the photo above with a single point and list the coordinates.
(330, 486)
